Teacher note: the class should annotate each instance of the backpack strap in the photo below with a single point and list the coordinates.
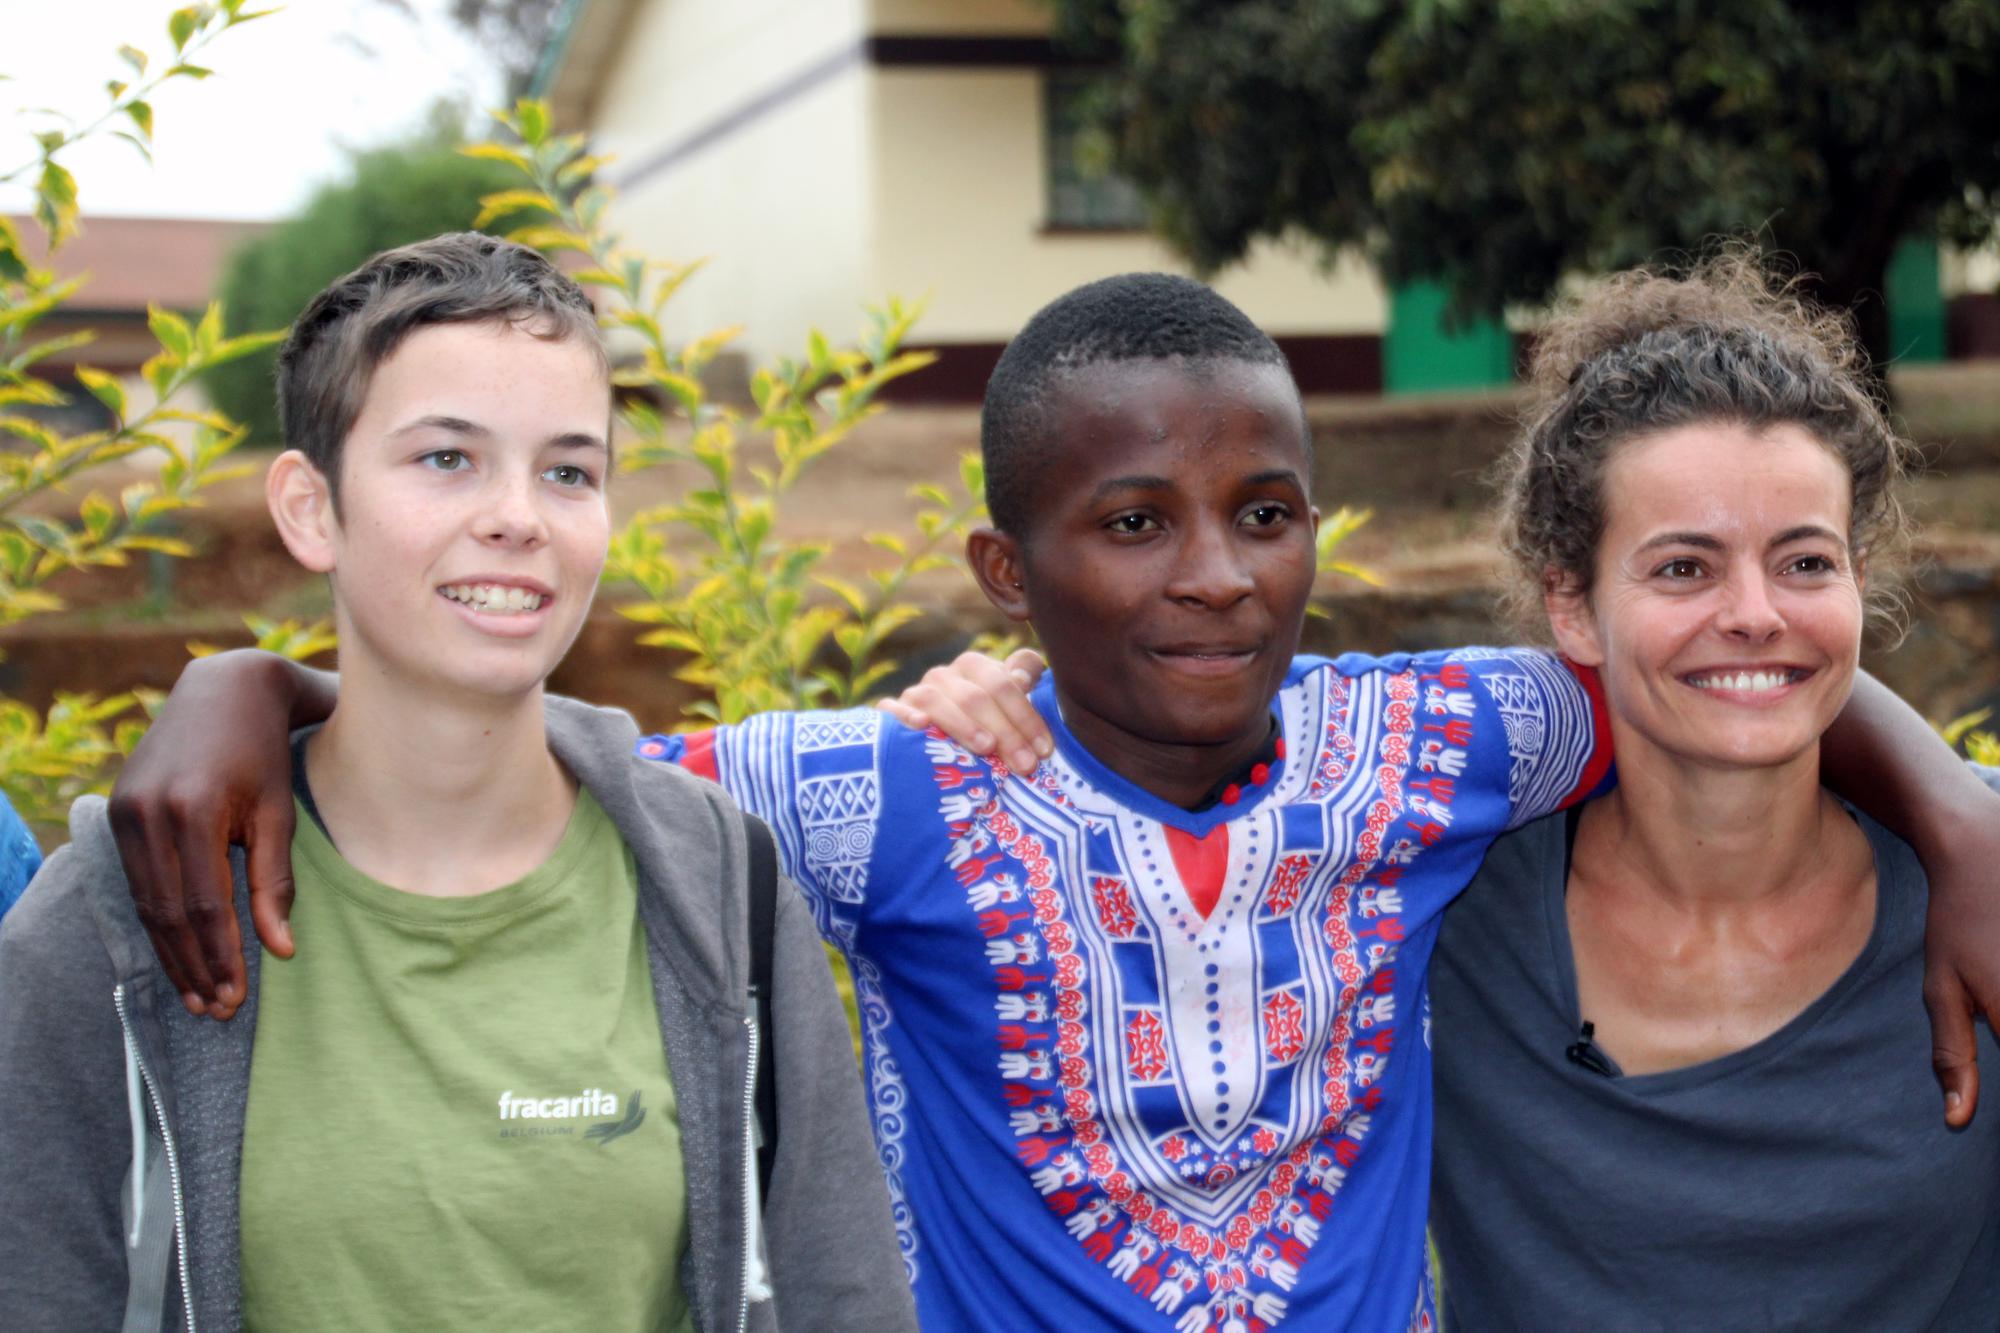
(763, 923)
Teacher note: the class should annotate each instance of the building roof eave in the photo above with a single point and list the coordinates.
(569, 75)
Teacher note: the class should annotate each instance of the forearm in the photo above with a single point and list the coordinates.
(1882, 756)
(307, 695)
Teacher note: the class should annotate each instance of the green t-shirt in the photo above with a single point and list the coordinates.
(460, 1114)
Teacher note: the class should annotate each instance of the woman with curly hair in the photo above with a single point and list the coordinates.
(1681, 1071)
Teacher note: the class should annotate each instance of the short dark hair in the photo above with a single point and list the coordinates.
(1726, 340)
(353, 325)
(1132, 317)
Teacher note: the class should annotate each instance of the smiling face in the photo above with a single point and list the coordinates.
(1168, 562)
(472, 522)
(1726, 614)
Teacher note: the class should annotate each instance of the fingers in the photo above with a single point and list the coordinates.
(146, 846)
(983, 705)
(1021, 732)
(270, 868)
(1954, 1044)
(1026, 665)
(913, 718)
(943, 698)
(208, 905)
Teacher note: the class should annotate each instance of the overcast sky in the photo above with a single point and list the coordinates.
(289, 92)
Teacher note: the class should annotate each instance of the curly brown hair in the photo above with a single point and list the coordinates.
(1727, 340)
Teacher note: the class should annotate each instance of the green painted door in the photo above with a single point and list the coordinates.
(1421, 355)
(1916, 304)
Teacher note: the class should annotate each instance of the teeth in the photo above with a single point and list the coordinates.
(1748, 681)
(494, 598)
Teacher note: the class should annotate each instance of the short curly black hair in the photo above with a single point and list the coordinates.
(1132, 317)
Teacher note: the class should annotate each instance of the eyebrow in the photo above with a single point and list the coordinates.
(453, 425)
(1147, 482)
(1133, 483)
(460, 426)
(1276, 474)
(1804, 531)
(1703, 541)
(1699, 540)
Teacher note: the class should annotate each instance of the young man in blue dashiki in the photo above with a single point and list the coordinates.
(1145, 1029)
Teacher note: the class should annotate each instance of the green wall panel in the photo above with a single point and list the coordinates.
(1420, 355)
(1916, 304)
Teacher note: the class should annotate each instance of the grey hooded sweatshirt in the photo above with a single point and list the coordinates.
(121, 1116)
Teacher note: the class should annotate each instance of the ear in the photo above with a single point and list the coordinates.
(1571, 620)
(995, 558)
(302, 506)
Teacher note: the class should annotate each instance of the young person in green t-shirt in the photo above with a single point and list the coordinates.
(512, 1082)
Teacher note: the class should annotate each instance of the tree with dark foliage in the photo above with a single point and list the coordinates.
(1497, 145)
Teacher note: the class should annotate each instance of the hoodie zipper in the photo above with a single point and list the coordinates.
(749, 1165)
(173, 1154)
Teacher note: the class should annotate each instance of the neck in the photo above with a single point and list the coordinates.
(1705, 836)
(1181, 775)
(441, 796)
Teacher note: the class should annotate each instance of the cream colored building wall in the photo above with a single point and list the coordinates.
(778, 205)
(1965, 271)
(958, 211)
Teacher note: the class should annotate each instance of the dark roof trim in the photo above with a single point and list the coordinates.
(913, 51)
(965, 52)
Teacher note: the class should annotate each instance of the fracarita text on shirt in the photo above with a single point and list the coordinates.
(590, 1102)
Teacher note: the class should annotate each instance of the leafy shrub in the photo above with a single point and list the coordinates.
(45, 762)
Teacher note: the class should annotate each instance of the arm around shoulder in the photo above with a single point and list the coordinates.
(65, 1132)
(831, 1244)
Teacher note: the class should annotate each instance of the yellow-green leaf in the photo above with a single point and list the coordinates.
(98, 515)
(181, 25)
(159, 372)
(165, 545)
(171, 330)
(105, 388)
(548, 238)
(531, 120)
(209, 332)
(229, 349)
(500, 204)
(581, 169)
(495, 152)
(55, 203)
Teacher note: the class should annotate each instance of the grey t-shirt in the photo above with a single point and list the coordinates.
(1806, 1182)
